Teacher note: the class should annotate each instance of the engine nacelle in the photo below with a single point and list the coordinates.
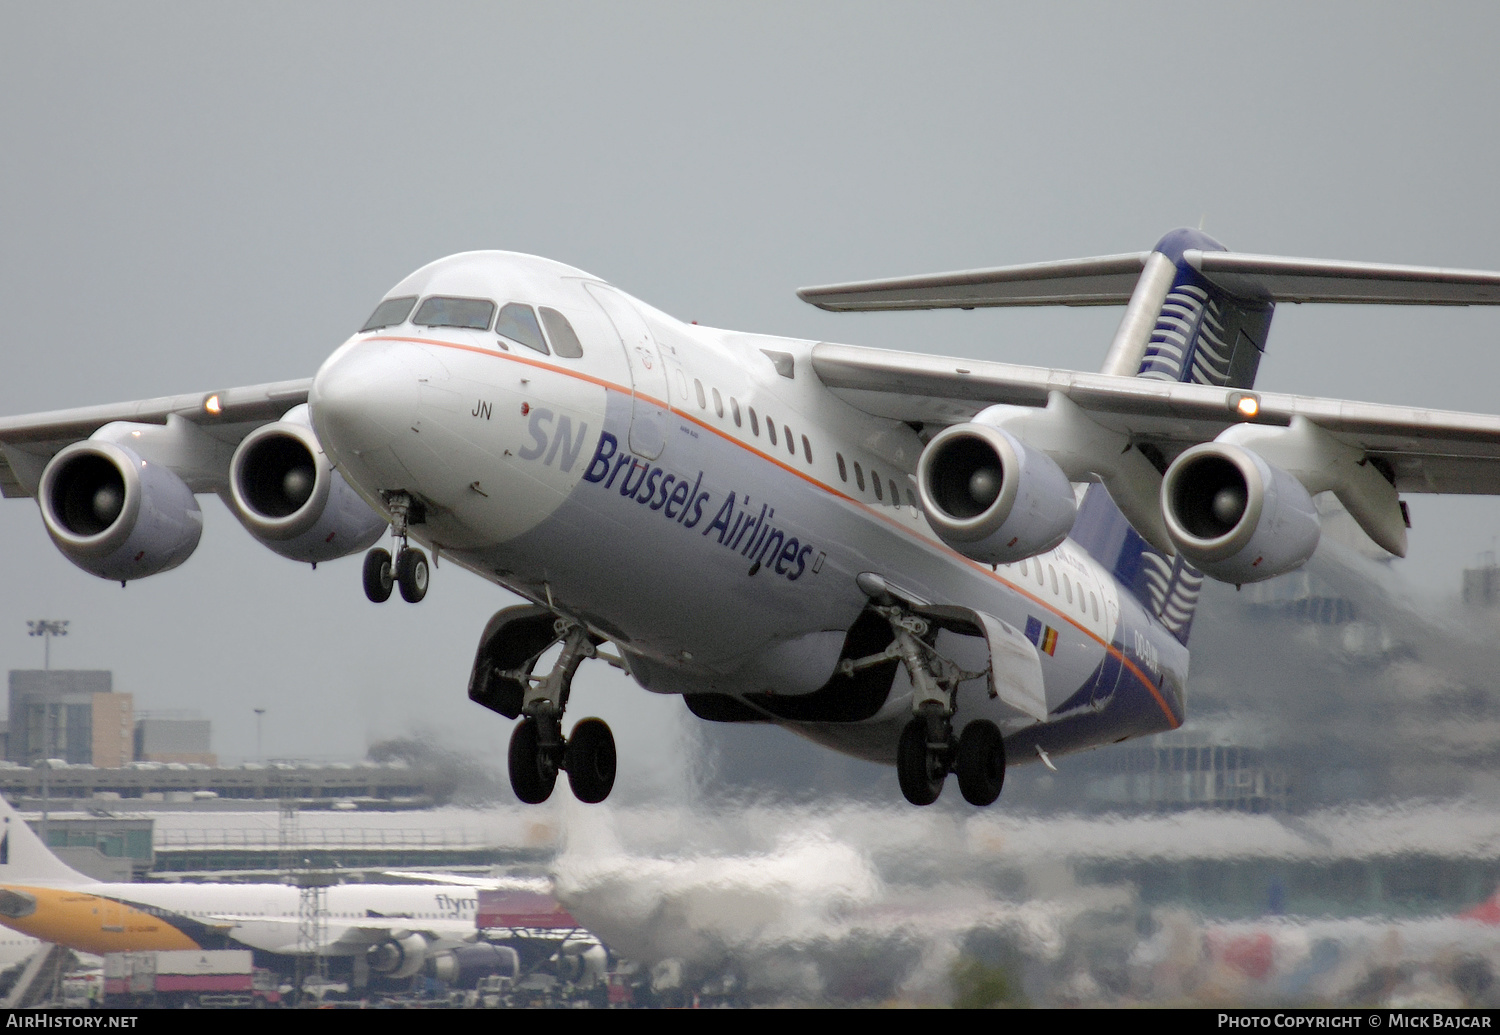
(116, 516)
(288, 496)
(399, 956)
(1236, 517)
(990, 497)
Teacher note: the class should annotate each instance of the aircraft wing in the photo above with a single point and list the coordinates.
(1432, 451)
(227, 415)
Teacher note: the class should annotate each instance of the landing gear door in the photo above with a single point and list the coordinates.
(1015, 668)
(648, 405)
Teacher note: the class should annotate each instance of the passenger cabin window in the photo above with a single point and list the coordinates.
(734, 408)
(754, 423)
(718, 403)
(911, 499)
(560, 332)
(518, 323)
(895, 495)
(682, 384)
(875, 481)
(389, 313)
(859, 476)
(791, 444)
(843, 471)
(702, 399)
(771, 430)
(807, 449)
(471, 313)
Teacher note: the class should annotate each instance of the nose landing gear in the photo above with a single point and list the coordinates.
(409, 571)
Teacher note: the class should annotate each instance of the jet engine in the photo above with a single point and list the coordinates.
(288, 496)
(116, 516)
(992, 498)
(1236, 517)
(399, 956)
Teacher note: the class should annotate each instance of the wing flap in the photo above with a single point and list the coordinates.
(1428, 450)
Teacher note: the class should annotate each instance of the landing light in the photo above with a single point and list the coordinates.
(1247, 406)
(212, 405)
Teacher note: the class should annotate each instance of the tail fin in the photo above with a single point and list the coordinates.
(24, 859)
(1178, 326)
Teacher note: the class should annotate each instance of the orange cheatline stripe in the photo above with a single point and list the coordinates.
(931, 544)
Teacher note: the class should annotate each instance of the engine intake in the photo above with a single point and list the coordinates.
(287, 495)
(992, 498)
(116, 516)
(1235, 516)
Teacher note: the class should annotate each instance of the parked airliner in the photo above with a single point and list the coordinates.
(370, 930)
(945, 564)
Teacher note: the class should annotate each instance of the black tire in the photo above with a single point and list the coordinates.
(532, 777)
(914, 766)
(378, 577)
(590, 761)
(412, 574)
(981, 763)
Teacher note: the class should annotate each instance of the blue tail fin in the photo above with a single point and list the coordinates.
(1201, 335)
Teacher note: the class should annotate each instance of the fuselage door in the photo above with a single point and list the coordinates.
(648, 406)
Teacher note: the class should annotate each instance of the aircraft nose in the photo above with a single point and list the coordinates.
(365, 394)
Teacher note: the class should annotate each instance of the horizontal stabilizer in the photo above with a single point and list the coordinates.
(1105, 280)
(1109, 280)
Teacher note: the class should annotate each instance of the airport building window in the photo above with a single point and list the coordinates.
(518, 323)
(718, 403)
(472, 313)
(843, 471)
(734, 408)
(565, 342)
(702, 399)
(389, 313)
(859, 476)
(807, 449)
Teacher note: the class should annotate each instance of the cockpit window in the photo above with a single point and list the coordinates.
(389, 313)
(564, 342)
(473, 313)
(518, 323)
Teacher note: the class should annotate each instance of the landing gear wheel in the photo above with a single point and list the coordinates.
(590, 761)
(981, 762)
(532, 774)
(411, 574)
(378, 577)
(921, 780)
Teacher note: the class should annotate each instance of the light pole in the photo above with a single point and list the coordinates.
(260, 755)
(47, 628)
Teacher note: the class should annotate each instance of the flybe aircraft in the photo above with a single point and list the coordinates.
(376, 930)
(942, 564)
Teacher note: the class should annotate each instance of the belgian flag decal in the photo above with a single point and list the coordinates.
(1044, 636)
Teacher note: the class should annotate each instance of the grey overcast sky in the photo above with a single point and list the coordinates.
(201, 195)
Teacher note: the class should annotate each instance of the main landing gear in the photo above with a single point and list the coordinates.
(409, 570)
(503, 681)
(928, 749)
